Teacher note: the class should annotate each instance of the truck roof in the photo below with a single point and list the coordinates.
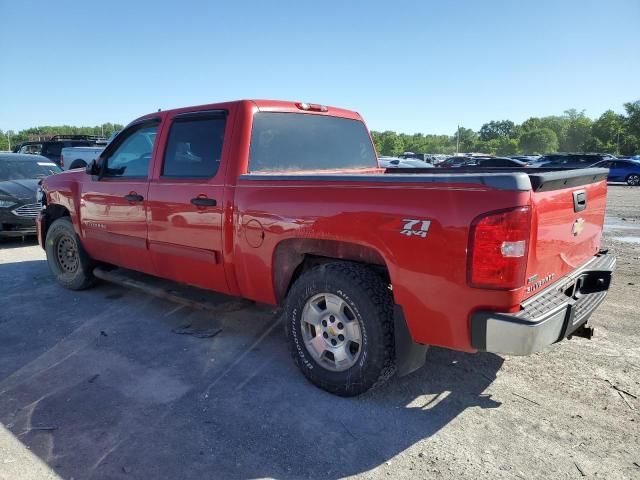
(264, 106)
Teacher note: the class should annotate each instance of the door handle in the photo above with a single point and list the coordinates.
(133, 197)
(203, 202)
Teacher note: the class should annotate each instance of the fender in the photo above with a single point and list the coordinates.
(62, 190)
(289, 258)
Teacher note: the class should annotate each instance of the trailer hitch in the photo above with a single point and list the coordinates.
(584, 331)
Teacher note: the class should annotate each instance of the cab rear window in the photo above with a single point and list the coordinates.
(300, 142)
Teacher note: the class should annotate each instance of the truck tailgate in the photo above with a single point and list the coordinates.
(568, 209)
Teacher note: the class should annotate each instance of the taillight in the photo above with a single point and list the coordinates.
(498, 249)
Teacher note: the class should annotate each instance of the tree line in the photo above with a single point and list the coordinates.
(43, 133)
(571, 132)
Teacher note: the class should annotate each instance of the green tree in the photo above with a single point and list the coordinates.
(507, 146)
(497, 129)
(388, 143)
(559, 125)
(606, 132)
(633, 117)
(630, 140)
(468, 139)
(540, 140)
(578, 135)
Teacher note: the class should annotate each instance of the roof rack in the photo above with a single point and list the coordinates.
(77, 137)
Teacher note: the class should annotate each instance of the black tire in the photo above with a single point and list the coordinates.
(633, 180)
(370, 300)
(78, 163)
(67, 260)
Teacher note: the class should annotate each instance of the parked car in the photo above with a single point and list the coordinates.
(571, 160)
(528, 159)
(78, 157)
(501, 162)
(392, 162)
(284, 203)
(424, 157)
(622, 170)
(52, 149)
(19, 177)
(480, 161)
(455, 161)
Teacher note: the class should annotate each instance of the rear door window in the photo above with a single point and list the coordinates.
(282, 142)
(194, 147)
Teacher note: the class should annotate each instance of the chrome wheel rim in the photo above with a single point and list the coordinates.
(634, 180)
(67, 254)
(331, 332)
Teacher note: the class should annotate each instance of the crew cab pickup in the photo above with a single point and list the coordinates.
(284, 203)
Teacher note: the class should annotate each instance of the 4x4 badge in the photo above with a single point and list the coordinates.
(578, 226)
(415, 227)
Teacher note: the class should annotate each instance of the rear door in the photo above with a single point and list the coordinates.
(186, 201)
(113, 206)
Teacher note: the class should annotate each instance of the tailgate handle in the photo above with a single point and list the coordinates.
(579, 200)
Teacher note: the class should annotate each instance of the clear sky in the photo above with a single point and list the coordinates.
(420, 66)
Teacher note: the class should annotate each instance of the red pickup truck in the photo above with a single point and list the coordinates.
(284, 203)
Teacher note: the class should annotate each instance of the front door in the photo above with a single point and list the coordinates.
(113, 205)
(186, 202)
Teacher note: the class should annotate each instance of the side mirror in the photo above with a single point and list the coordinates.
(93, 168)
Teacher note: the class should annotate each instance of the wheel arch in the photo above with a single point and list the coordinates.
(52, 213)
(292, 257)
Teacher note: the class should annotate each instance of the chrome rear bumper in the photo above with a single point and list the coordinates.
(550, 316)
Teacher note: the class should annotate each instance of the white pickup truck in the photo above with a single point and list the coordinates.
(79, 157)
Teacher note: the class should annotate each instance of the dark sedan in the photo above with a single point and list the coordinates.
(481, 161)
(19, 177)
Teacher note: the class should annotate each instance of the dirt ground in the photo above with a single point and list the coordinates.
(112, 383)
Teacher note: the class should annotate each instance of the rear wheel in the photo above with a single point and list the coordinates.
(67, 260)
(340, 327)
(633, 179)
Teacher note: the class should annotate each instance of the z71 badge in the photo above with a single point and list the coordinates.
(415, 227)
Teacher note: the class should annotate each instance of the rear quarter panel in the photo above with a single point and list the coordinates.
(428, 274)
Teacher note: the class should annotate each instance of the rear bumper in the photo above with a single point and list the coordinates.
(548, 317)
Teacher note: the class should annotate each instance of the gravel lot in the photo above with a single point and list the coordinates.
(99, 384)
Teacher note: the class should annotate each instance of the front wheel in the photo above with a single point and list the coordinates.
(339, 319)
(67, 260)
(633, 180)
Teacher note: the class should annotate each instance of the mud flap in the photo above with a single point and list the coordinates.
(410, 356)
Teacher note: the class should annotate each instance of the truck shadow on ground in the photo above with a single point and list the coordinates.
(105, 389)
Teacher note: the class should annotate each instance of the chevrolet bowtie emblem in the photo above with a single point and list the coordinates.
(578, 226)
